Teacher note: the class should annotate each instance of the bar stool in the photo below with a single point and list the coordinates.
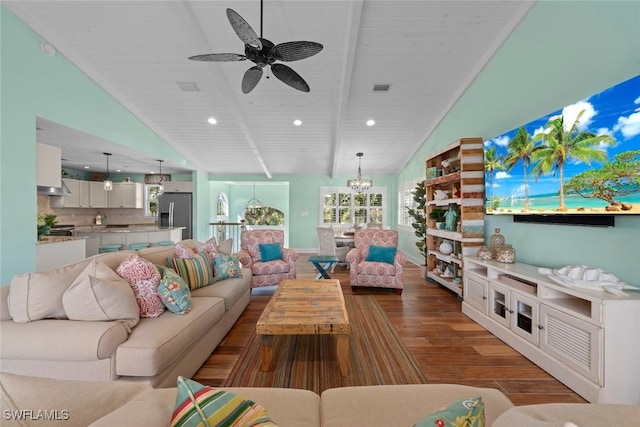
(164, 243)
(109, 248)
(138, 246)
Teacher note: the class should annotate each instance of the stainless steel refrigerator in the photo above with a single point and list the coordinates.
(175, 210)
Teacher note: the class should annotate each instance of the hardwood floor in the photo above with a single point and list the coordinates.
(450, 347)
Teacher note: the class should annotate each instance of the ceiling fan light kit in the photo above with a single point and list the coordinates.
(359, 184)
(263, 52)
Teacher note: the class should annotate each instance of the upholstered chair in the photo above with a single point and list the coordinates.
(375, 260)
(280, 263)
(327, 246)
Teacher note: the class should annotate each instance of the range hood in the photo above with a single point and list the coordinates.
(54, 191)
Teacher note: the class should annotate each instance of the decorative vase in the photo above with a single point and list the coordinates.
(445, 247)
(495, 241)
(506, 254)
(43, 231)
(484, 253)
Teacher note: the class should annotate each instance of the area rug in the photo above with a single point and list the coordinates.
(377, 355)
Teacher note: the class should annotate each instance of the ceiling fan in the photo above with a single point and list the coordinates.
(262, 52)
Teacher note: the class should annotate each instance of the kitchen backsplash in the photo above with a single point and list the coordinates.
(87, 216)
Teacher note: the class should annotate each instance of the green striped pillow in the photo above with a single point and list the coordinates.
(198, 405)
(196, 271)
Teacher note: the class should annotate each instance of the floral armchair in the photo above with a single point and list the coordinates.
(376, 272)
(266, 273)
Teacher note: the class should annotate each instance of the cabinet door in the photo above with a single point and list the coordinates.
(97, 195)
(524, 316)
(114, 197)
(132, 195)
(83, 194)
(499, 299)
(475, 292)
(576, 343)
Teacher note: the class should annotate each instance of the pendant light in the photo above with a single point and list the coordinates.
(253, 203)
(107, 184)
(359, 185)
(160, 178)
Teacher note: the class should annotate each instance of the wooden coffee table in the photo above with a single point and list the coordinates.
(305, 307)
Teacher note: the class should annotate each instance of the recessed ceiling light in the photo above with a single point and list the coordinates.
(86, 167)
(212, 120)
(297, 122)
(371, 122)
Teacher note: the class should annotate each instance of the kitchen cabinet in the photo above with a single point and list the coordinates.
(97, 195)
(178, 187)
(454, 184)
(56, 253)
(585, 338)
(126, 195)
(48, 165)
(79, 197)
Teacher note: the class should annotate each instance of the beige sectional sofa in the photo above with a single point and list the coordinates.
(155, 351)
(108, 404)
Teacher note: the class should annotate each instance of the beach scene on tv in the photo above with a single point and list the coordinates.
(583, 158)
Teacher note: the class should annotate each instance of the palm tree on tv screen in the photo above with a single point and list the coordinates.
(559, 144)
(520, 148)
(492, 163)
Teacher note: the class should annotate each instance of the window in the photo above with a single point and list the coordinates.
(341, 206)
(222, 207)
(405, 201)
(151, 199)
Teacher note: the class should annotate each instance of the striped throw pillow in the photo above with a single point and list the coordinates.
(198, 405)
(196, 271)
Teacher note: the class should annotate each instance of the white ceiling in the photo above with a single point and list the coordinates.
(428, 51)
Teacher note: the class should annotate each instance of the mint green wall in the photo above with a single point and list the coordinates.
(34, 84)
(562, 52)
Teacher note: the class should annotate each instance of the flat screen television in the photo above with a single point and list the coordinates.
(576, 165)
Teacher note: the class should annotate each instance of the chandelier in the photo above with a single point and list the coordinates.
(160, 178)
(359, 185)
(107, 184)
(253, 203)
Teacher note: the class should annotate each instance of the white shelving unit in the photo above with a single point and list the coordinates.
(587, 339)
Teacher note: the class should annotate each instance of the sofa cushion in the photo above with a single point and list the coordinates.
(272, 267)
(155, 343)
(99, 294)
(51, 339)
(462, 412)
(183, 251)
(199, 405)
(144, 278)
(580, 414)
(196, 271)
(230, 290)
(210, 247)
(174, 292)
(226, 266)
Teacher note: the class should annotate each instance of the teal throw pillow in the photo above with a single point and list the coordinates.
(270, 251)
(174, 292)
(226, 266)
(464, 412)
(381, 254)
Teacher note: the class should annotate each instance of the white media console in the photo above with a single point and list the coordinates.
(589, 340)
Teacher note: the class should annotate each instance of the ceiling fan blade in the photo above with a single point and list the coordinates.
(290, 77)
(251, 78)
(243, 30)
(219, 57)
(294, 51)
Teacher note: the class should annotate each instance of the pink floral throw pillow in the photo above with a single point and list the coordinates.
(183, 251)
(210, 247)
(144, 279)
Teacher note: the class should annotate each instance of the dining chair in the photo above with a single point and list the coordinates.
(327, 246)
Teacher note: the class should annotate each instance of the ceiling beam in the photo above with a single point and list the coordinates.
(353, 20)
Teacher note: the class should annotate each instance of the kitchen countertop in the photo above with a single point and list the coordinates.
(123, 229)
(57, 239)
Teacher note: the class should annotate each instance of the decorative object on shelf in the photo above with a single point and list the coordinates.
(440, 195)
(419, 222)
(450, 218)
(445, 247)
(506, 254)
(437, 215)
(432, 172)
(585, 277)
(484, 253)
(359, 184)
(455, 192)
(496, 240)
(107, 183)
